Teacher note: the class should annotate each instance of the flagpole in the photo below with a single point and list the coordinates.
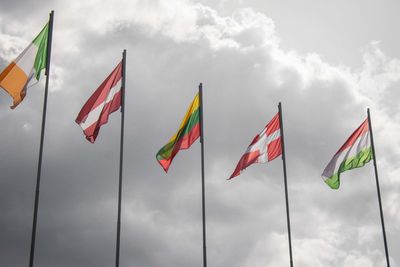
(202, 176)
(121, 158)
(378, 190)
(39, 169)
(285, 179)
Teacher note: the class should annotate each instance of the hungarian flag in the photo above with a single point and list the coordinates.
(188, 132)
(265, 147)
(25, 70)
(355, 153)
(105, 100)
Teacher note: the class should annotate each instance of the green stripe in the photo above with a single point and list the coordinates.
(41, 42)
(357, 161)
(166, 151)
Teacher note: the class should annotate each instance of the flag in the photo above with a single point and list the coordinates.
(188, 132)
(265, 147)
(355, 153)
(105, 100)
(25, 70)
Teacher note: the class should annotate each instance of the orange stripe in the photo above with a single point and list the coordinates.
(13, 79)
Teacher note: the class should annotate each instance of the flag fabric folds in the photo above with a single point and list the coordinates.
(354, 153)
(188, 132)
(265, 147)
(25, 70)
(105, 100)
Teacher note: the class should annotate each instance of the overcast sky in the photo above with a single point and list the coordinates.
(326, 61)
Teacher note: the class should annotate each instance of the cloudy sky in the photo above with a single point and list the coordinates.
(326, 61)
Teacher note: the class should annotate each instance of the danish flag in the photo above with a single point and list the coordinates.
(265, 147)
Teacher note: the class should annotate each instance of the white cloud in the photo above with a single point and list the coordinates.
(357, 260)
(11, 46)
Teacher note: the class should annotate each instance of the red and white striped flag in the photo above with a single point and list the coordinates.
(265, 147)
(105, 100)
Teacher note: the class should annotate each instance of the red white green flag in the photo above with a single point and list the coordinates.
(265, 147)
(354, 153)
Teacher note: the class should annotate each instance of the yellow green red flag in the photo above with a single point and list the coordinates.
(188, 132)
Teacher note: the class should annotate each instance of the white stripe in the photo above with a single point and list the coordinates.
(26, 60)
(275, 135)
(363, 142)
(262, 145)
(94, 115)
(263, 158)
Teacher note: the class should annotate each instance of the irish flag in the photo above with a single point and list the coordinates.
(355, 153)
(188, 132)
(25, 69)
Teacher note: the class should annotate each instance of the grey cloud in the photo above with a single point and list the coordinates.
(161, 212)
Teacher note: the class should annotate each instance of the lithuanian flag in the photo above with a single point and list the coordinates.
(188, 132)
(17, 76)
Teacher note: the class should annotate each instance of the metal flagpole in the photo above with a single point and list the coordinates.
(121, 157)
(378, 190)
(39, 170)
(202, 176)
(285, 179)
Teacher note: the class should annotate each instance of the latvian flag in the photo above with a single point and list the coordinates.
(265, 147)
(105, 100)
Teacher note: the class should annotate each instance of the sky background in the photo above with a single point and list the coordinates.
(326, 61)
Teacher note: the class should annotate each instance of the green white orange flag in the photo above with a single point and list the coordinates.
(188, 132)
(25, 70)
(355, 153)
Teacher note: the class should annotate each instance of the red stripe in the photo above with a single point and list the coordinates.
(245, 161)
(189, 138)
(93, 130)
(361, 130)
(273, 125)
(274, 149)
(255, 140)
(101, 93)
(184, 143)
(165, 163)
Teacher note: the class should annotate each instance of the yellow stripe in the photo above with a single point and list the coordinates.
(13, 79)
(193, 107)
